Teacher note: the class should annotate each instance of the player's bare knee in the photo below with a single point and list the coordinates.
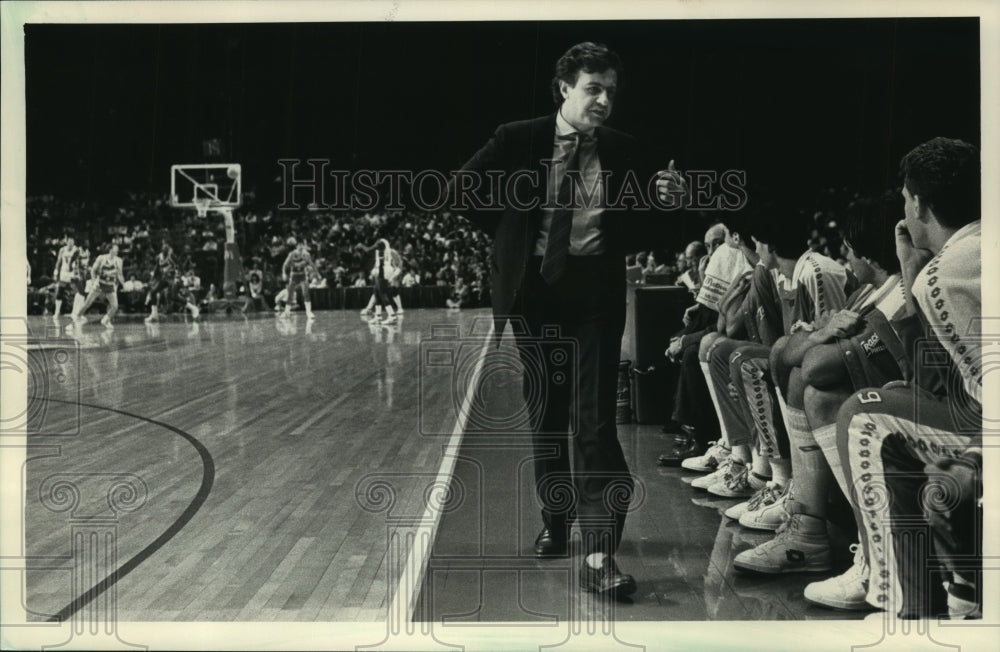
(777, 351)
(823, 367)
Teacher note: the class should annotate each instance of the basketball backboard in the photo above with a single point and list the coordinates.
(206, 186)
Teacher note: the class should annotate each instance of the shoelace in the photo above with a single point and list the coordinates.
(757, 499)
(773, 494)
(735, 480)
(766, 495)
(714, 451)
(723, 469)
(860, 563)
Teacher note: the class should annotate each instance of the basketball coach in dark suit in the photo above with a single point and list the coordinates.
(574, 198)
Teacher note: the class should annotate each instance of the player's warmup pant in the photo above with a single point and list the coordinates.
(107, 293)
(749, 369)
(572, 410)
(885, 438)
(733, 412)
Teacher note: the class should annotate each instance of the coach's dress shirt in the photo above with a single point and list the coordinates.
(585, 238)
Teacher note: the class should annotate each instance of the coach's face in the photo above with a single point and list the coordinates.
(587, 104)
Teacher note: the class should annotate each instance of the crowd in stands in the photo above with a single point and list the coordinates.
(831, 396)
(437, 249)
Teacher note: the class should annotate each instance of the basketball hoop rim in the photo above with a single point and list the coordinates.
(202, 206)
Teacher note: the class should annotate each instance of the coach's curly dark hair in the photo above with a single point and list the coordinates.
(944, 173)
(588, 57)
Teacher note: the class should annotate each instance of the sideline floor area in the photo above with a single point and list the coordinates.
(250, 470)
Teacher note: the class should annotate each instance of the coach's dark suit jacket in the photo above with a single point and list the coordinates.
(523, 145)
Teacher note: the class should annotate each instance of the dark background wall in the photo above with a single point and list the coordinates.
(799, 104)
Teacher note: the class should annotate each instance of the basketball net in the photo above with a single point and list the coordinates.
(201, 205)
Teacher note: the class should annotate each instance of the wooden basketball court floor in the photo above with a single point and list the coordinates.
(277, 470)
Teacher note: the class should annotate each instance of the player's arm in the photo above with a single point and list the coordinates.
(121, 276)
(96, 266)
(911, 261)
(55, 270)
(285, 266)
(827, 297)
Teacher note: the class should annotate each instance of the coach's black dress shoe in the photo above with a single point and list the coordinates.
(549, 544)
(606, 580)
(684, 447)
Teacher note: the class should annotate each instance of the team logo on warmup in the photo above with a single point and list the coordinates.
(873, 345)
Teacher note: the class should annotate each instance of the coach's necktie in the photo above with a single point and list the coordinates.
(557, 245)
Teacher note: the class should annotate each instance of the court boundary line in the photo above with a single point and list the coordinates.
(415, 569)
(207, 481)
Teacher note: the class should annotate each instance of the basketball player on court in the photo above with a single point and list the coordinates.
(107, 272)
(385, 293)
(385, 272)
(161, 281)
(66, 268)
(297, 269)
(81, 282)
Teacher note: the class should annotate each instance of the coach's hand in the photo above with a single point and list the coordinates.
(671, 186)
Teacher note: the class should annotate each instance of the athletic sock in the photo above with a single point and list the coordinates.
(808, 464)
(761, 463)
(781, 470)
(826, 438)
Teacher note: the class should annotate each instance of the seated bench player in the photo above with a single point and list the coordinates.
(891, 438)
(763, 318)
(810, 285)
(858, 347)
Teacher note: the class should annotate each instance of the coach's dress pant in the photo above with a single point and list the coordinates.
(570, 356)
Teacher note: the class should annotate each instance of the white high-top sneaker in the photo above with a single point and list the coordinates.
(801, 545)
(766, 495)
(847, 591)
(770, 513)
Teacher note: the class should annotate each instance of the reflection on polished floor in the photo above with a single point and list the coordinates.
(258, 469)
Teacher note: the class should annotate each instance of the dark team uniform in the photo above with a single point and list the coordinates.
(164, 273)
(79, 281)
